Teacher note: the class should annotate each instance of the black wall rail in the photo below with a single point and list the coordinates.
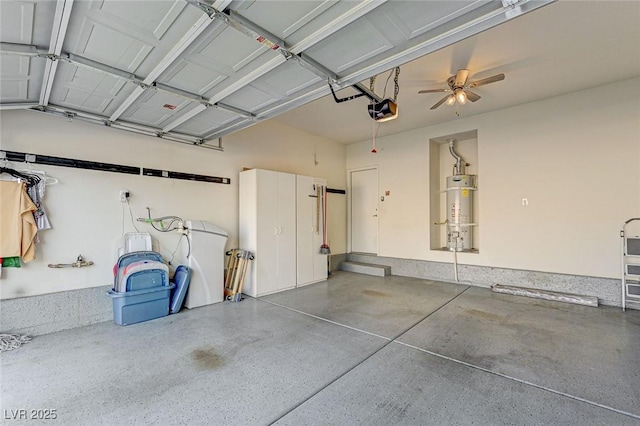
(185, 176)
(106, 167)
(336, 191)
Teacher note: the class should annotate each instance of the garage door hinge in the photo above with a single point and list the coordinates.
(50, 56)
(209, 10)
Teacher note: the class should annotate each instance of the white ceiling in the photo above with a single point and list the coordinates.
(191, 72)
(560, 48)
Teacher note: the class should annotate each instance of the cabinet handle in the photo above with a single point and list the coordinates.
(275, 230)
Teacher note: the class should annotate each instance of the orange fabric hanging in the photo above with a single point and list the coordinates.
(17, 226)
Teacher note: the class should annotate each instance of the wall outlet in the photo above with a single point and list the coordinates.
(525, 201)
(124, 195)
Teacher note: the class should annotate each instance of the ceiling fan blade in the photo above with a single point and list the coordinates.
(434, 90)
(472, 96)
(461, 77)
(488, 80)
(440, 102)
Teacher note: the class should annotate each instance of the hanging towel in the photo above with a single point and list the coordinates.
(17, 225)
(36, 194)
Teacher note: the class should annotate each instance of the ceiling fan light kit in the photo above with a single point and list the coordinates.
(459, 88)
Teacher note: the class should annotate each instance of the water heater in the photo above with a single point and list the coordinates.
(460, 188)
(460, 212)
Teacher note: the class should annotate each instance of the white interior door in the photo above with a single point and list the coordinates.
(364, 211)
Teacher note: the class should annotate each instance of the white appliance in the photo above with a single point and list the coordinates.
(135, 241)
(205, 251)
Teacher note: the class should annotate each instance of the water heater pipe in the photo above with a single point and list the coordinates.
(459, 162)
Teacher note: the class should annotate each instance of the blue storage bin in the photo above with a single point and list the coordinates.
(129, 258)
(182, 278)
(147, 279)
(140, 305)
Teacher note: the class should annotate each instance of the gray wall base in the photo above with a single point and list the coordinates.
(335, 260)
(48, 313)
(53, 312)
(607, 290)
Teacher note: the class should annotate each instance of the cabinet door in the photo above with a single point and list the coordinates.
(307, 226)
(312, 266)
(267, 230)
(286, 242)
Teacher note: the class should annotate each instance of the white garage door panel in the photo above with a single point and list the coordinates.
(129, 35)
(16, 22)
(84, 100)
(287, 79)
(151, 17)
(414, 18)
(14, 89)
(396, 26)
(97, 82)
(250, 99)
(292, 33)
(110, 46)
(283, 18)
(216, 61)
(350, 46)
(150, 108)
(79, 88)
(21, 78)
(230, 50)
(206, 122)
(193, 78)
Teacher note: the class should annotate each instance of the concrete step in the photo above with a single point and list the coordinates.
(366, 268)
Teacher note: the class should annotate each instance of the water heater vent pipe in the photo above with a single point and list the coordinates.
(460, 163)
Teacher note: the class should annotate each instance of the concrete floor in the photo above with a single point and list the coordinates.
(351, 350)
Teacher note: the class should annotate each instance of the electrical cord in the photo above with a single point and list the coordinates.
(177, 247)
(131, 215)
(189, 247)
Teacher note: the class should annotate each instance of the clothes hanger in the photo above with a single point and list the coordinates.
(29, 179)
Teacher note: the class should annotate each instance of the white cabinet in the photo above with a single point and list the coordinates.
(267, 220)
(281, 223)
(311, 264)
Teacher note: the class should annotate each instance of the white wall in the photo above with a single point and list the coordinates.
(87, 216)
(575, 157)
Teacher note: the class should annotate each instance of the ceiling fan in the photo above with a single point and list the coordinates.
(458, 86)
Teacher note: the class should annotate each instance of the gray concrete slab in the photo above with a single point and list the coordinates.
(385, 306)
(591, 353)
(229, 363)
(323, 355)
(400, 385)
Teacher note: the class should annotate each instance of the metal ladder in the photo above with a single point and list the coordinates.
(630, 265)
